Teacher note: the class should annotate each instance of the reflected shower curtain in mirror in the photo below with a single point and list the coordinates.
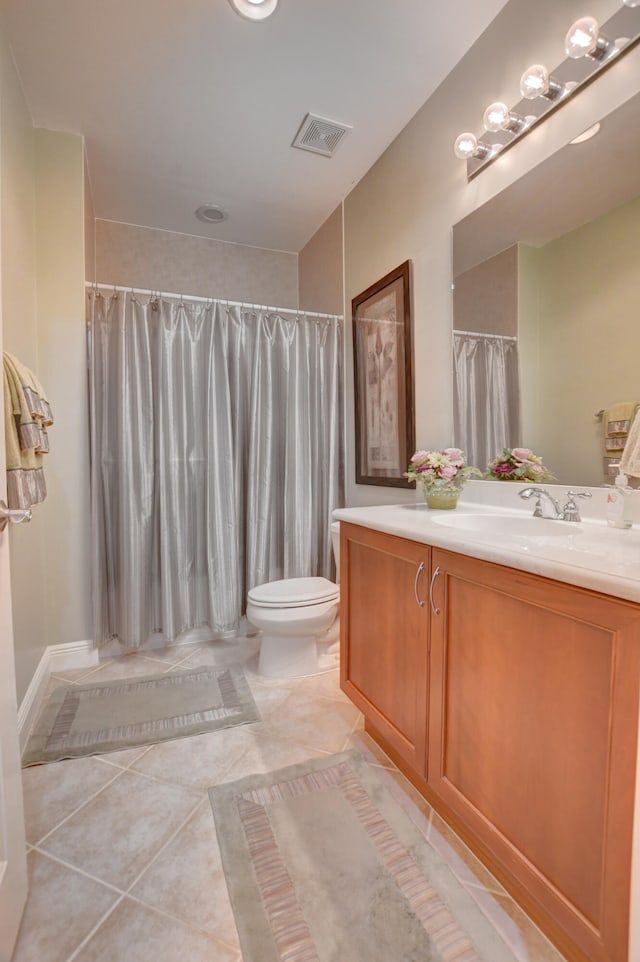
(216, 449)
(486, 395)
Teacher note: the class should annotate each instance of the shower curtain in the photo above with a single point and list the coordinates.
(216, 458)
(486, 395)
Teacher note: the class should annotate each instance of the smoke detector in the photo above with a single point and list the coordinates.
(320, 135)
(211, 214)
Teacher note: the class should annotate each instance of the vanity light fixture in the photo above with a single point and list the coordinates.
(545, 91)
(254, 9)
(497, 116)
(467, 145)
(537, 82)
(584, 39)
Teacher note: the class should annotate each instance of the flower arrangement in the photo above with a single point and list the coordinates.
(518, 464)
(441, 470)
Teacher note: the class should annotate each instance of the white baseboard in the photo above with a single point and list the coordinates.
(72, 655)
(30, 704)
(66, 657)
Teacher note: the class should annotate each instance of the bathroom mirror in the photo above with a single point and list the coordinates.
(553, 260)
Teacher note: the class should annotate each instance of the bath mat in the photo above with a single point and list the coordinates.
(323, 865)
(109, 716)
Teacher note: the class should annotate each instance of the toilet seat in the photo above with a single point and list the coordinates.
(294, 593)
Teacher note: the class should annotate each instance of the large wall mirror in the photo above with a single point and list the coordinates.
(552, 266)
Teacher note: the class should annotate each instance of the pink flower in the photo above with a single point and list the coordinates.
(521, 454)
(504, 468)
(455, 455)
(536, 468)
(419, 456)
(448, 471)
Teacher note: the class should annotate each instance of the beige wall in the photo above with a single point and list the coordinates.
(18, 225)
(404, 208)
(180, 263)
(485, 299)
(63, 366)
(43, 255)
(320, 268)
(585, 328)
(89, 229)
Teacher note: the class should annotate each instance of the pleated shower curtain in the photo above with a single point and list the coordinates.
(486, 395)
(216, 458)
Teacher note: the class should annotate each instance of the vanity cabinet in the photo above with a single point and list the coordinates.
(512, 704)
(385, 637)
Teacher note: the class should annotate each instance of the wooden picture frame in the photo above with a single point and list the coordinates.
(383, 380)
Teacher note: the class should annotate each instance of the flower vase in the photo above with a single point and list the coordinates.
(442, 498)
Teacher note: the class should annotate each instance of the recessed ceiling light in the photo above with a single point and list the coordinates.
(586, 134)
(254, 9)
(211, 214)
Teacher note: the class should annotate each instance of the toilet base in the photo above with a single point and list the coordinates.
(288, 656)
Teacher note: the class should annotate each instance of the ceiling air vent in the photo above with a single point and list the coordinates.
(319, 135)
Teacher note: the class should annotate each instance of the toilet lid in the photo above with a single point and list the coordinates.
(294, 593)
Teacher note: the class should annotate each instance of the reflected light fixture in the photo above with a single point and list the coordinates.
(584, 39)
(254, 9)
(537, 82)
(631, 3)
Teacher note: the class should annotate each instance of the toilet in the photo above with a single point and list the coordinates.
(298, 618)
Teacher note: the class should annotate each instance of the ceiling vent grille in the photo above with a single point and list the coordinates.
(319, 135)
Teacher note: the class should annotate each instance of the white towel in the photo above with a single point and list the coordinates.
(630, 460)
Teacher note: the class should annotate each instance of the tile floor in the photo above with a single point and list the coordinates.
(122, 850)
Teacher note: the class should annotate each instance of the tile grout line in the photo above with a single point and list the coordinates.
(79, 871)
(168, 841)
(176, 918)
(85, 941)
(75, 811)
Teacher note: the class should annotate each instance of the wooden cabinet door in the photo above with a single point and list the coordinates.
(532, 748)
(384, 636)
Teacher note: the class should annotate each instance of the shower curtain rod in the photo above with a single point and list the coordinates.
(497, 337)
(205, 300)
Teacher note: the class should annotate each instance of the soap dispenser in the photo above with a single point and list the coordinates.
(617, 505)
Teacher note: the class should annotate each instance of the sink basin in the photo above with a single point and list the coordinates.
(509, 525)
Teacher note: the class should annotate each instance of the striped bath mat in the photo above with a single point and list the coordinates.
(108, 716)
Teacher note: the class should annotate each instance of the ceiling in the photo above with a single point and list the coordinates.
(183, 102)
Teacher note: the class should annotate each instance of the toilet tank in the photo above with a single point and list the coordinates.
(335, 540)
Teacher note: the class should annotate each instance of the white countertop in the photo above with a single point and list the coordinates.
(588, 553)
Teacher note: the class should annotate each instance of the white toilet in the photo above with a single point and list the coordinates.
(298, 618)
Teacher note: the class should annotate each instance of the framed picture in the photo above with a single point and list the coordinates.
(383, 369)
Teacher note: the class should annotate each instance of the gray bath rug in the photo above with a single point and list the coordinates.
(112, 715)
(323, 865)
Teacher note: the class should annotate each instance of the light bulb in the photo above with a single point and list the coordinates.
(583, 39)
(465, 146)
(534, 81)
(496, 116)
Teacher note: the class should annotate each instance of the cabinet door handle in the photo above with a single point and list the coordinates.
(435, 574)
(415, 585)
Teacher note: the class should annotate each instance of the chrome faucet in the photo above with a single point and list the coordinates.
(538, 511)
(568, 513)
